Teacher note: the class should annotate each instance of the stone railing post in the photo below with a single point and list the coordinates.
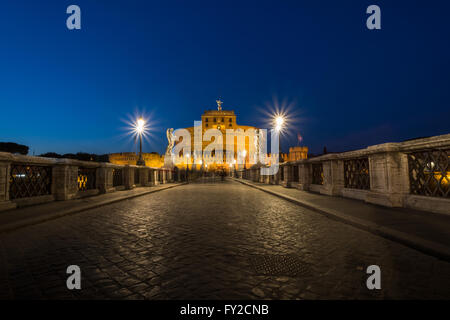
(333, 177)
(272, 179)
(143, 176)
(105, 179)
(65, 180)
(389, 182)
(266, 179)
(256, 175)
(128, 177)
(151, 177)
(162, 176)
(305, 176)
(169, 175)
(277, 176)
(5, 204)
(157, 180)
(155, 177)
(287, 175)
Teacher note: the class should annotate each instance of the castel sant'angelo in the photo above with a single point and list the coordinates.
(211, 119)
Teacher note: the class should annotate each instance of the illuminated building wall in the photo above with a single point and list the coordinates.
(221, 120)
(153, 159)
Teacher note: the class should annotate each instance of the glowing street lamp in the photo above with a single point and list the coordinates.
(187, 161)
(279, 121)
(140, 129)
(244, 154)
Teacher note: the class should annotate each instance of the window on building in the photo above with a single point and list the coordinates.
(206, 119)
(206, 125)
(223, 120)
(215, 120)
(230, 120)
(230, 125)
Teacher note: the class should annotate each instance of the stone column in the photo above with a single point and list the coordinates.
(256, 175)
(266, 179)
(151, 177)
(389, 179)
(128, 177)
(333, 177)
(287, 170)
(105, 179)
(144, 176)
(276, 176)
(305, 176)
(65, 181)
(156, 177)
(168, 176)
(5, 204)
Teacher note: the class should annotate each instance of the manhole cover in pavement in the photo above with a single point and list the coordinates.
(279, 265)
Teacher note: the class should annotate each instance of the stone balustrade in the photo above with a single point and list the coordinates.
(412, 174)
(28, 180)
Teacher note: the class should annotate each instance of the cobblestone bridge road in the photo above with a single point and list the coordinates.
(218, 240)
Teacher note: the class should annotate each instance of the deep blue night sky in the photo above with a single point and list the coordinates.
(68, 91)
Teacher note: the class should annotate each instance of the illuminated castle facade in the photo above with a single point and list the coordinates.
(211, 119)
(221, 120)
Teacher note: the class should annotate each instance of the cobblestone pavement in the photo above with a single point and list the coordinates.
(218, 240)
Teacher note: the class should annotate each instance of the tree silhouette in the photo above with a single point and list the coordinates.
(13, 148)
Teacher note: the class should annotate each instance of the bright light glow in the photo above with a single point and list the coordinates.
(140, 125)
(281, 116)
(279, 121)
(244, 153)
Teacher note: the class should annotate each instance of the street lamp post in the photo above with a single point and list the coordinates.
(187, 166)
(279, 122)
(140, 127)
(244, 154)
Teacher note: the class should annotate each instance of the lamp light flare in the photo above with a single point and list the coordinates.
(279, 121)
(140, 125)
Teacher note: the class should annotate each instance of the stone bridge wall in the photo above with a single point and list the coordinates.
(27, 180)
(412, 174)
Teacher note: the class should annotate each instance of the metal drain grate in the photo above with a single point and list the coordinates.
(279, 265)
